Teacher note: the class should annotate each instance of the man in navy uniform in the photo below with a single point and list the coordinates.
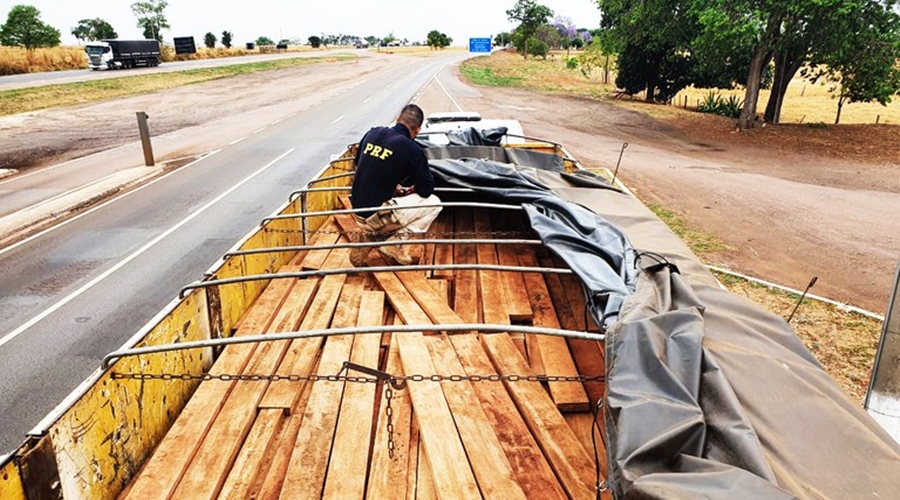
(392, 171)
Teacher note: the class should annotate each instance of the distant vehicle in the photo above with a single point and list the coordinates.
(122, 54)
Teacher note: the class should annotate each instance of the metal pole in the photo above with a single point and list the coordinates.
(624, 145)
(304, 222)
(144, 130)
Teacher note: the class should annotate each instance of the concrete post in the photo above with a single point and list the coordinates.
(145, 138)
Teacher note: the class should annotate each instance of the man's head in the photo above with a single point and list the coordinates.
(412, 116)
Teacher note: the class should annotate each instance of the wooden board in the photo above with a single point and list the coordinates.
(555, 355)
(243, 473)
(208, 470)
(351, 448)
(442, 254)
(453, 477)
(302, 352)
(492, 469)
(465, 285)
(560, 445)
(531, 470)
(306, 472)
(329, 234)
(388, 477)
(166, 465)
(493, 298)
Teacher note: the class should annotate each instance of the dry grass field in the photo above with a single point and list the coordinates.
(16, 60)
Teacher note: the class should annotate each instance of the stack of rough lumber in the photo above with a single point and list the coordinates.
(450, 439)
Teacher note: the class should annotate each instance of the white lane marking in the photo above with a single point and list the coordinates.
(260, 129)
(98, 207)
(276, 121)
(338, 119)
(441, 85)
(29, 174)
(87, 286)
(232, 143)
(292, 114)
(367, 99)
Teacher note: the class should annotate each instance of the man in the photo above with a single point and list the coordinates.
(392, 171)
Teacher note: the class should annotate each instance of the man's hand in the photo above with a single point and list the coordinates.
(401, 190)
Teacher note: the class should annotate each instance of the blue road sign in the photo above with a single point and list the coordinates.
(479, 44)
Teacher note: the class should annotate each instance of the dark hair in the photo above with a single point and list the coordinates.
(411, 116)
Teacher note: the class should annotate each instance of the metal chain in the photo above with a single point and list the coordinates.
(389, 413)
(253, 377)
(514, 234)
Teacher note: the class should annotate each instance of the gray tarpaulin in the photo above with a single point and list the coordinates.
(708, 395)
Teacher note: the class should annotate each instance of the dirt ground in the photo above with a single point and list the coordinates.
(789, 202)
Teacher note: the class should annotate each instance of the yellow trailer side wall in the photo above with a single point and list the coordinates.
(11, 487)
(101, 440)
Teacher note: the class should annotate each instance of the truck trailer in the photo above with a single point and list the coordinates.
(115, 54)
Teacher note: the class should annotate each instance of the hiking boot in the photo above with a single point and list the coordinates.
(395, 254)
(358, 255)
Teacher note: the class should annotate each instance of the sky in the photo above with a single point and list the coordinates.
(279, 19)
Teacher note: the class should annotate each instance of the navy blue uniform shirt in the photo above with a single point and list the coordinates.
(386, 157)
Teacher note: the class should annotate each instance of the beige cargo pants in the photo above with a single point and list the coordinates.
(386, 224)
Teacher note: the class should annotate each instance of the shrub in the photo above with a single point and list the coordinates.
(715, 104)
(572, 63)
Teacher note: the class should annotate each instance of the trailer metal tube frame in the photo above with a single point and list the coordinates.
(374, 244)
(374, 269)
(110, 358)
(498, 206)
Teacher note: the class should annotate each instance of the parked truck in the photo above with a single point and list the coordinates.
(115, 54)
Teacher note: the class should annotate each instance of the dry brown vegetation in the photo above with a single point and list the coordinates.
(17, 60)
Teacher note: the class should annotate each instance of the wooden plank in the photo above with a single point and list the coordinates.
(243, 473)
(519, 308)
(425, 477)
(572, 464)
(302, 352)
(465, 285)
(351, 449)
(207, 471)
(524, 456)
(452, 474)
(315, 259)
(492, 469)
(305, 476)
(442, 254)
(388, 476)
(493, 298)
(532, 471)
(165, 467)
(269, 482)
(555, 355)
(582, 425)
(415, 451)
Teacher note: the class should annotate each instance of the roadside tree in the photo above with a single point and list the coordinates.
(93, 29)
(502, 39)
(151, 17)
(209, 40)
(226, 39)
(438, 40)
(24, 28)
(652, 40)
(530, 16)
(315, 42)
(264, 40)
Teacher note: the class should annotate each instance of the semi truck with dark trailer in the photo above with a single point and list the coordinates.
(122, 54)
